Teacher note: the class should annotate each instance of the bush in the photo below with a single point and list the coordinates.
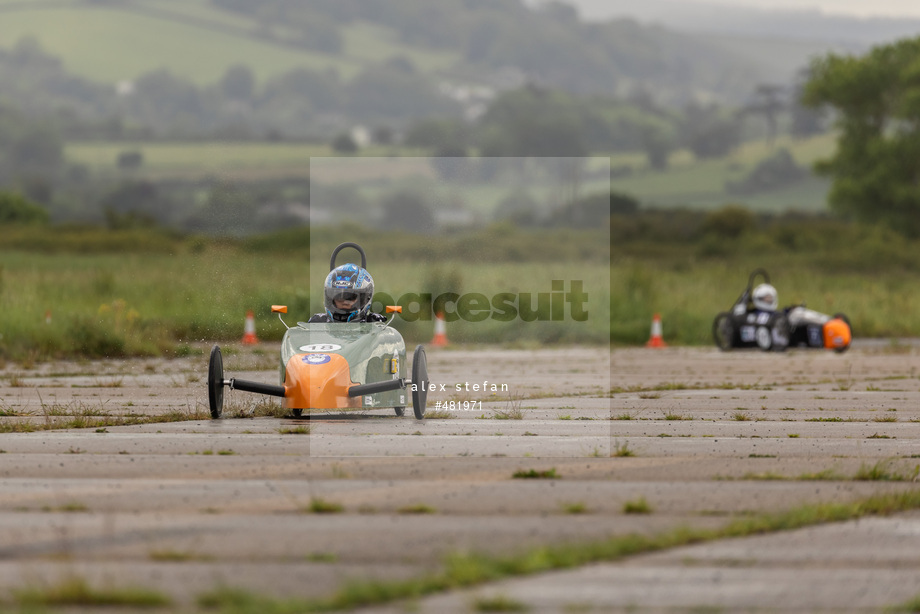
(129, 160)
(731, 221)
(777, 171)
(593, 210)
(345, 144)
(14, 209)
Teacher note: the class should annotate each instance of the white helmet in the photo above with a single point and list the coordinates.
(765, 297)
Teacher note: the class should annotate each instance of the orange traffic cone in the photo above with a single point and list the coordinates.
(249, 332)
(440, 331)
(656, 341)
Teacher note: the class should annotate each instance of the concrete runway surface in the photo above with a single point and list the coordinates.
(151, 493)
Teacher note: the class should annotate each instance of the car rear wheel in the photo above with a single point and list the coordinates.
(780, 333)
(774, 335)
(843, 316)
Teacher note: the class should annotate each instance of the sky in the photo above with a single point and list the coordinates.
(857, 8)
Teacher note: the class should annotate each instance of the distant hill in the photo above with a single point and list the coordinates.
(805, 24)
(308, 67)
(779, 41)
(120, 40)
(497, 43)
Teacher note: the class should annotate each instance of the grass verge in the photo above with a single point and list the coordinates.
(321, 506)
(56, 422)
(77, 592)
(468, 570)
(547, 474)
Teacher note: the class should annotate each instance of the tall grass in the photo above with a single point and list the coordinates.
(147, 302)
(146, 293)
(135, 304)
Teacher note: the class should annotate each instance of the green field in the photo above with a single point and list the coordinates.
(701, 183)
(368, 43)
(121, 293)
(196, 160)
(244, 161)
(111, 42)
(690, 182)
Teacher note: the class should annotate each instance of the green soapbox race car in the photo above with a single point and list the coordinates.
(336, 366)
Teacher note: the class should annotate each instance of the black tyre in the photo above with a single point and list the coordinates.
(216, 383)
(774, 335)
(723, 331)
(298, 412)
(764, 338)
(781, 333)
(419, 382)
(400, 411)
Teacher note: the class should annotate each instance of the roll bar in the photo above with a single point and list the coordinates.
(357, 247)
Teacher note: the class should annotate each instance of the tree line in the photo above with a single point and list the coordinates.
(547, 42)
(871, 100)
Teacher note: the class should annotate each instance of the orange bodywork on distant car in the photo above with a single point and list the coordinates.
(837, 334)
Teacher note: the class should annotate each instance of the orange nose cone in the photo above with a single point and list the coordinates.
(837, 334)
(318, 381)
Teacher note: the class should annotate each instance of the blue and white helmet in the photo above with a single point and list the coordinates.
(348, 282)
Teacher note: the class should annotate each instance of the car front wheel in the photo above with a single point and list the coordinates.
(764, 338)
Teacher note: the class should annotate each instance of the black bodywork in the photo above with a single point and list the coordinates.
(744, 326)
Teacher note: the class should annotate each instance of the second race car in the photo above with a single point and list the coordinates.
(755, 321)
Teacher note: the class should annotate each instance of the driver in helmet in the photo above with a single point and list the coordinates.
(765, 298)
(772, 327)
(348, 294)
